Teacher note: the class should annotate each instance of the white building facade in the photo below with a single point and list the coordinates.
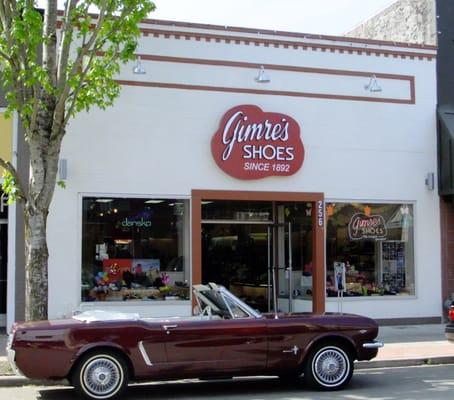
(149, 207)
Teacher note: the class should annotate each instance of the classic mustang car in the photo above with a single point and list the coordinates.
(100, 352)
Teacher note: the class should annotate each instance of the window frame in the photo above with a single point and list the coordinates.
(125, 304)
(413, 296)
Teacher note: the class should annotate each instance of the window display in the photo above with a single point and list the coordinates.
(375, 241)
(135, 249)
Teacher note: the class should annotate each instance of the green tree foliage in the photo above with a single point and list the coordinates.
(54, 64)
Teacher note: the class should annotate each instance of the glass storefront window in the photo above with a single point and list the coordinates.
(375, 241)
(135, 249)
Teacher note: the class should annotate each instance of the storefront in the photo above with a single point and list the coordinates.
(206, 170)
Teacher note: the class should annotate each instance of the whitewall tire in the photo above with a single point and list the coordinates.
(100, 375)
(328, 367)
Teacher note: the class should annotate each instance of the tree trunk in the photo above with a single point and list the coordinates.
(36, 269)
(44, 145)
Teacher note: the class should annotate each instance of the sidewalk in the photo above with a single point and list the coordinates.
(405, 345)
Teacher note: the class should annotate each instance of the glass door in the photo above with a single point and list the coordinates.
(261, 251)
(280, 276)
(235, 255)
(294, 246)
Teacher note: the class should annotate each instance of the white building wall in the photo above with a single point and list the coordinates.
(156, 142)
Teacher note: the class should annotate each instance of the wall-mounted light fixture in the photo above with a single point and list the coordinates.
(62, 169)
(430, 181)
(138, 68)
(262, 76)
(373, 85)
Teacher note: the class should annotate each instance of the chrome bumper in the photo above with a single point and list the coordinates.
(373, 345)
(11, 354)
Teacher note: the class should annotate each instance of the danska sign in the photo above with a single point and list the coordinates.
(139, 223)
(253, 144)
(362, 226)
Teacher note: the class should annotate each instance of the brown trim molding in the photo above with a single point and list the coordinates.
(257, 41)
(318, 251)
(182, 24)
(280, 67)
(276, 67)
(265, 92)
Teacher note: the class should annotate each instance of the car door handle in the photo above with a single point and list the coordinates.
(168, 327)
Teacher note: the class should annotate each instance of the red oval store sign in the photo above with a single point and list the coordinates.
(252, 144)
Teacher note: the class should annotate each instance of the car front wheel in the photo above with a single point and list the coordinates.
(328, 367)
(100, 375)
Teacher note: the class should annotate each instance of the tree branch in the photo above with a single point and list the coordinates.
(94, 52)
(17, 60)
(65, 45)
(50, 41)
(83, 75)
(6, 57)
(10, 168)
(59, 115)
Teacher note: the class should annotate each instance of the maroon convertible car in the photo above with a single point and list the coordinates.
(100, 352)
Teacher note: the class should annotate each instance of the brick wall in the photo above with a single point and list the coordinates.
(447, 247)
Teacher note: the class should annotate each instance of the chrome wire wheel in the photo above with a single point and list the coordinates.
(331, 367)
(101, 376)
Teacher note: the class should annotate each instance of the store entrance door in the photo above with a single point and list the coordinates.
(260, 250)
(236, 253)
(230, 227)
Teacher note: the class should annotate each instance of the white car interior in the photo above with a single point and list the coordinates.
(213, 302)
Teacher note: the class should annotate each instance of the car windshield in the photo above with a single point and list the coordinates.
(223, 302)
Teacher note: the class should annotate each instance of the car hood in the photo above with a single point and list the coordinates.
(313, 318)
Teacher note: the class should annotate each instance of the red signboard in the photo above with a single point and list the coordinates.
(252, 144)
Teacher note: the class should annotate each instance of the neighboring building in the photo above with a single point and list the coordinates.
(12, 286)
(6, 152)
(172, 184)
(406, 21)
(445, 91)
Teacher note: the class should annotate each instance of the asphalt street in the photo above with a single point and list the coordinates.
(411, 383)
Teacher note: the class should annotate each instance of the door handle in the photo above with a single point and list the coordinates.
(168, 327)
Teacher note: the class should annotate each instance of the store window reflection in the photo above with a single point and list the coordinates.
(135, 249)
(375, 241)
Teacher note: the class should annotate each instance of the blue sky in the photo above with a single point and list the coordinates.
(329, 17)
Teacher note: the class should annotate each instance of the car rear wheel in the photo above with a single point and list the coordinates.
(100, 375)
(328, 367)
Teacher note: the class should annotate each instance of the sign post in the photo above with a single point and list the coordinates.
(339, 279)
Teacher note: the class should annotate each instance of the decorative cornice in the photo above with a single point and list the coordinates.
(308, 36)
(286, 44)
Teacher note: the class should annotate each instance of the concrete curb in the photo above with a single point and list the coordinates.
(16, 381)
(408, 362)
